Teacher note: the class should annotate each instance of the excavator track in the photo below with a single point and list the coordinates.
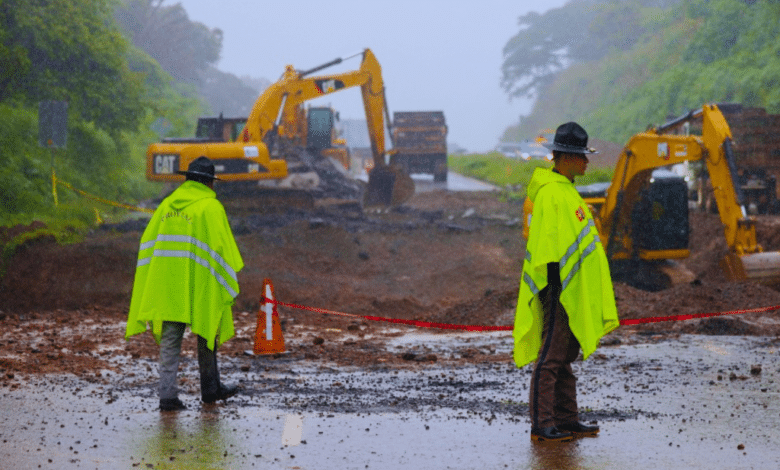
(247, 198)
(310, 179)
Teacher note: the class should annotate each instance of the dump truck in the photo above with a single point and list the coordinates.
(420, 143)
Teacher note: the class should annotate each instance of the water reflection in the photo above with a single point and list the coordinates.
(179, 441)
(555, 455)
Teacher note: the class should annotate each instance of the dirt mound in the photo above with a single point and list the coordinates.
(442, 257)
(608, 155)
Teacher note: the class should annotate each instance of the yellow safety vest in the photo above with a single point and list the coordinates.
(187, 265)
(562, 231)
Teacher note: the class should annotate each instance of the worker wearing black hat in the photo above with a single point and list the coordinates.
(186, 275)
(566, 301)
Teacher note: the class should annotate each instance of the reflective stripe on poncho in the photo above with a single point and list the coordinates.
(562, 231)
(187, 265)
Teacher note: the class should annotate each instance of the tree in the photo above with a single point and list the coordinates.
(186, 50)
(69, 50)
(182, 48)
(543, 47)
(696, 52)
(579, 31)
(14, 65)
(227, 94)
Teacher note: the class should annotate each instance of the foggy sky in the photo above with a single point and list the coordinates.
(435, 54)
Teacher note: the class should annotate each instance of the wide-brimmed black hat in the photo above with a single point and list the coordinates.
(202, 167)
(570, 138)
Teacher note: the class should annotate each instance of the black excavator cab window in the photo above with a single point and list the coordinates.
(660, 217)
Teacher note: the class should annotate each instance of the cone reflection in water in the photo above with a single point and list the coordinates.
(268, 336)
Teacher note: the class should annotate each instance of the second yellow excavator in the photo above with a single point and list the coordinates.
(271, 136)
(643, 220)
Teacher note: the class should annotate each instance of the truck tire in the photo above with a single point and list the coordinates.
(440, 169)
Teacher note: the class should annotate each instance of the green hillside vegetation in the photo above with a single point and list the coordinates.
(116, 94)
(511, 174)
(648, 63)
(616, 67)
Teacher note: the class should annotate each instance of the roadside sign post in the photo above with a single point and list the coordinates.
(53, 132)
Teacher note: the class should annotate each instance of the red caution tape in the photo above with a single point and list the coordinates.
(421, 324)
(450, 326)
(692, 316)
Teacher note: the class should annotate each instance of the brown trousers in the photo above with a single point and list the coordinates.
(553, 394)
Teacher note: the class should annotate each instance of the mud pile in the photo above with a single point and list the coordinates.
(442, 257)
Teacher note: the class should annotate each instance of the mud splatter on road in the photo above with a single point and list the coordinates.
(75, 394)
(689, 401)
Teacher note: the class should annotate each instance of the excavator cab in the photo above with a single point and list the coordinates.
(322, 136)
(659, 219)
(320, 127)
(220, 129)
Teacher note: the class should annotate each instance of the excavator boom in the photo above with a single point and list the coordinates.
(651, 150)
(277, 113)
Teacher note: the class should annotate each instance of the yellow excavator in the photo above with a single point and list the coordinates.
(643, 220)
(271, 136)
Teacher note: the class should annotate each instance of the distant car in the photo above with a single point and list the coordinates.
(510, 149)
(526, 150)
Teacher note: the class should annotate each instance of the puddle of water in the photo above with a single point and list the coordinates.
(293, 430)
(660, 405)
(497, 342)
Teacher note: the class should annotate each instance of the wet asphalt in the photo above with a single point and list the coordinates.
(698, 402)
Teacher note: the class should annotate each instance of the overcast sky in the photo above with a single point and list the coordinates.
(435, 54)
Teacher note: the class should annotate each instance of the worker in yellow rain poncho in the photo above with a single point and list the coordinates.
(566, 301)
(186, 275)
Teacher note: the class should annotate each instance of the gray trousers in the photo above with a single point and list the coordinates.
(170, 353)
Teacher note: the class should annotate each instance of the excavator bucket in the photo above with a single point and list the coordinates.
(763, 267)
(388, 186)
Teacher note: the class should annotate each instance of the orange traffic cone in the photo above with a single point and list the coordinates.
(268, 336)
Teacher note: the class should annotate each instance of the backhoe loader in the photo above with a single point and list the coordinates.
(643, 220)
(271, 137)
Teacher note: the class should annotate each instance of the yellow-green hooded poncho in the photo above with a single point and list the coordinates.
(562, 231)
(187, 266)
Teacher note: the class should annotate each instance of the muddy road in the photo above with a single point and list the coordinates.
(350, 393)
(687, 401)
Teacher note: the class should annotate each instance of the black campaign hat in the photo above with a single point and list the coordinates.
(570, 138)
(202, 167)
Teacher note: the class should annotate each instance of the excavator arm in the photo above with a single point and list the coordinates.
(277, 113)
(739, 230)
(653, 149)
(276, 110)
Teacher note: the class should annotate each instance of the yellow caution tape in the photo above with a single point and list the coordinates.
(56, 181)
(54, 187)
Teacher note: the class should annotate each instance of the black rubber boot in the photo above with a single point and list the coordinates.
(550, 434)
(579, 430)
(209, 373)
(172, 404)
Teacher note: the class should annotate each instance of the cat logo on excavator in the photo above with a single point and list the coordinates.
(328, 86)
